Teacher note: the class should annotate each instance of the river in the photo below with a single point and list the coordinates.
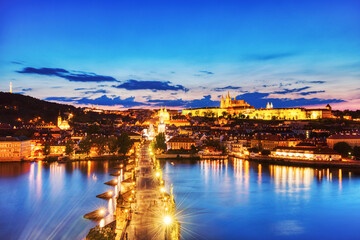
(230, 199)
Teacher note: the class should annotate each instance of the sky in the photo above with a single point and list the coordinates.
(118, 54)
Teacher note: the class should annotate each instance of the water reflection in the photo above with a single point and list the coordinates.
(48, 200)
(240, 199)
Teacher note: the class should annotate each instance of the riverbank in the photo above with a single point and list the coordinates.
(305, 163)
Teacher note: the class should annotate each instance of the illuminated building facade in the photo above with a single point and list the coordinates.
(227, 106)
(230, 106)
(63, 124)
(352, 140)
(14, 148)
(306, 153)
(178, 143)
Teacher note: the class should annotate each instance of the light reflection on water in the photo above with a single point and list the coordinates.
(238, 199)
(228, 199)
(48, 201)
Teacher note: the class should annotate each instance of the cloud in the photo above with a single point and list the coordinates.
(26, 89)
(96, 91)
(132, 84)
(103, 100)
(295, 90)
(73, 76)
(310, 92)
(268, 57)
(225, 88)
(313, 82)
(195, 103)
(206, 72)
(259, 100)
(16, 62)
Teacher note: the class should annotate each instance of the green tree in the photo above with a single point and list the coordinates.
(46, 148)
(160, 142)
(342, 148)
(69, 147)
(124, 144)
(85, 145)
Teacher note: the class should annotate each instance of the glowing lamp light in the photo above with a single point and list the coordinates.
(102, 211)
(115, 180)
(162, 189)
(129, 199)
(126, 210)
(166, 209)
(110, 193)
(165, 198)
(167, 220)
(132, 191)
(157, 174)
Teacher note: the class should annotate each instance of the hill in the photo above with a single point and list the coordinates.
(14, 106)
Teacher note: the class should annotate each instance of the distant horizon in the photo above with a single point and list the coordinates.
(114, 108)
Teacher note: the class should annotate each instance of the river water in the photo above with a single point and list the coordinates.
(230, 199)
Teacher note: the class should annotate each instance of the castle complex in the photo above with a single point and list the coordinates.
(239, 108)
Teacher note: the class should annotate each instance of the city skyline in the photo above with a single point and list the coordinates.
(182, 54)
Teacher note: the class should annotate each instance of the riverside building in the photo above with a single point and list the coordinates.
(14, 148)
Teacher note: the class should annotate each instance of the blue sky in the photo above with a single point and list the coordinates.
(180, 53)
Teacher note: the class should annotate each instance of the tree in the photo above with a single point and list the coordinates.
(98, 233)
(93, 129)
(265, 152)
(100, 143)
(356, 152)
(85, 145)
(69, 147)
(112, 144)
(193, 149)
(124, 144)
(342, 148)
(160, 142)
(46, 149)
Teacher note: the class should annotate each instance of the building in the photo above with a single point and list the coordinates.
(177, 143)
(269, 142)
(306, 153)
(352, 140)
(14, 148)
(271, 113)
(227, 106)
(63, 124)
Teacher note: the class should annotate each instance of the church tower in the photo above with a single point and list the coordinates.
(59, 121)
(222, 103)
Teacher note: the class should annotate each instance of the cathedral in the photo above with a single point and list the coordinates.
(235, 104)
(229, 106)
